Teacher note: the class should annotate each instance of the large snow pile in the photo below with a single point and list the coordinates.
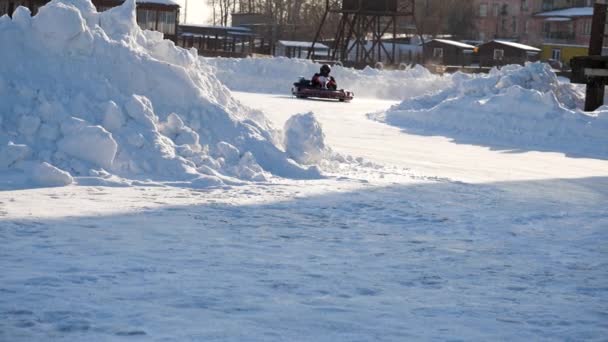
(516, 107)
(277, 75)
(90, 95)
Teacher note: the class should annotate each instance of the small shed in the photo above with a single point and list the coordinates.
(9, 6)
(448, 52)
(157, 15)
(500, 52)
(293, 49)
(218, 41)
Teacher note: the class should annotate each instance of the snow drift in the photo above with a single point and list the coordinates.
(90, 95)
(277, 75)
(516, 107)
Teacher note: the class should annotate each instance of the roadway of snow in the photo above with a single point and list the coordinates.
(349, 131)
(468, 244)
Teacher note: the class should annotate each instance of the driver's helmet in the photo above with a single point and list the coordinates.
(325, 69)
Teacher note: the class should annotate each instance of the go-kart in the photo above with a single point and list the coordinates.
(304, 89)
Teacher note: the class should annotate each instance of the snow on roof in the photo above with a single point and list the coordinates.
(455, 43)
(160, 2)
(517, 45)
(558, 19)
(217, 27)
(290, 43)
(568, 12)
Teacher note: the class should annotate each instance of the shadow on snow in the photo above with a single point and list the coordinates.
(518, 260)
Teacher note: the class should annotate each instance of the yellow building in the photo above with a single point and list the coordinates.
(562, 52)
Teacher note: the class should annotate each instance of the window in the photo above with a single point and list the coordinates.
(524, 5)
(166, 22)
(146, 19)
(483, 10)
(499, 54)
(514, 24)
(526, 26)
(496, 10)
(438, 53)
(556, 54)
(587, 27)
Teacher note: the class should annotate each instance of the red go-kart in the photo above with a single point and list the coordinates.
(304, 89)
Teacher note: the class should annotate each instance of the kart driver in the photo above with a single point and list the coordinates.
(323, 80)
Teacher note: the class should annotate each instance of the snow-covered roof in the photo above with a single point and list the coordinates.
(159, 2)
(517, 45)
(290, 43)
(558, 19)
(217, 27)
(568, 12)
(455, 43)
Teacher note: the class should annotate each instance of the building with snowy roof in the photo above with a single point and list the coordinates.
(156, 15)
(294, 49)
(448, 52)
(219, 41)
(501, 52)
(566, 32)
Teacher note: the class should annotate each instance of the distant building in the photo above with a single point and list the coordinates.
(218, 41)
(566, 33)
(508, 20)
(157, 15)
(499, 52)
(562, 28)
(9, 6)
(294, 49)
(448, 52)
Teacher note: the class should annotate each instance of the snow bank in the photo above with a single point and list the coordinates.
(90, 95)
(304, 139)
(277, 75)
(514, 107)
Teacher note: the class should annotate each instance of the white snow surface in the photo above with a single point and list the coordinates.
(87, 94)
(469, 244)
(568, 12)
(518, 45)
(277, 75)
(455, 43)
(512, 108)
(475, 218)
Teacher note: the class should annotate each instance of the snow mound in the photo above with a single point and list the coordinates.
(90, 95)
(304, 139)
(516, 107)
(277, 75)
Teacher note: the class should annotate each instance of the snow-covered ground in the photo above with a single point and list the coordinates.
(338, 228)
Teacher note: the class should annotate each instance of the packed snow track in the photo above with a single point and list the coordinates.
(468, 243)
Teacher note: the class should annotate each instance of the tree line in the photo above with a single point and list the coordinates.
(299, 19)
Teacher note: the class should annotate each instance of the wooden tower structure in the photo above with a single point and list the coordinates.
(362, 28)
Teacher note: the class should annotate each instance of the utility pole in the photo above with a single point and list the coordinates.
(186, 12)
(592, 70)
(595, 90)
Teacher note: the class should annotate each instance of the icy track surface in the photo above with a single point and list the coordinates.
(457, 242)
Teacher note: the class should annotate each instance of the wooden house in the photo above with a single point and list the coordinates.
(157, 15)
(448, 52)
(500, 52)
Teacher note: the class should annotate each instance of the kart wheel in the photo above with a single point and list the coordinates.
(342, 100)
